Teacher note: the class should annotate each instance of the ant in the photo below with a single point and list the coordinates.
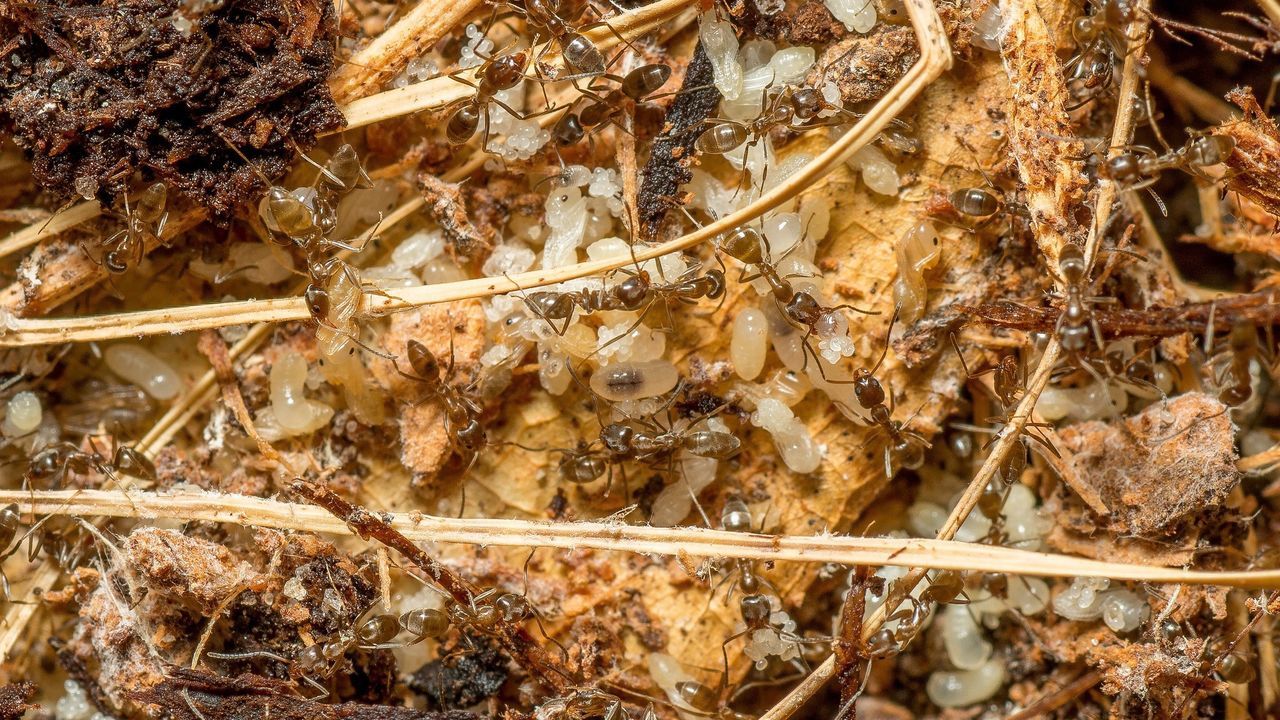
(461, 412)
(496, 75)
(1108, 23)
(905, 447)
(1235, 380)
(800, 308)
(1008, 386)
(51, 464)
(946, 587)
(637, 293)
(636, 87)
(1140, 167)
(143, 222)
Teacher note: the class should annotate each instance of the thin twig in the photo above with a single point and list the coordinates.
(925, 553)
(1058, 698)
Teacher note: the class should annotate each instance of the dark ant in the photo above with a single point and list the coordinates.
(51, 464)
(633, 88)
(637, 293)
(798, 307)
(1008, 385)
(1236, 379)
(1140, 167)
(461, 412)
(143, 222)
(495, 75)
(1109, 23)
(906, 447)
(946, 587)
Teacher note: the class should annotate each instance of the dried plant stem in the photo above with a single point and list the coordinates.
(65, 220)
(389, 53)
(935, 58)
(1058, 698)
(696, 542)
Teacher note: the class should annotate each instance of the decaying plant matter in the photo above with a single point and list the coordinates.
(567, 359)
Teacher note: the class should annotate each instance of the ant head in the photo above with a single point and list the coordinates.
(318, 303)
(617, 437)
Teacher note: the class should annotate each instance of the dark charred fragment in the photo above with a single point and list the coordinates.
(14, 697)
(100, 89)
(1261, 309)
(672, 152)
(188, 694)
(469, 673)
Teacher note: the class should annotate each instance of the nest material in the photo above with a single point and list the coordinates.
(186, 93)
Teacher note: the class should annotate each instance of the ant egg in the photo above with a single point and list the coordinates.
(418, 249)
(1082, 600)
(749, 346)
(720, 42)
(966, 687)
(1124, 610)
(294, 413)
(878, 171)
(22, 414)
(628, 342)
(141, 367)
(967, 646)
(857, 15)
(634, 381)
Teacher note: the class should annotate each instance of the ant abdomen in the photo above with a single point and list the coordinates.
(581, 55)
(463, 123)
(645, 80)
(722, 138)
(975, 202)
(712, 444)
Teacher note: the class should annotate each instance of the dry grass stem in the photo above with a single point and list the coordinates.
(617, 537)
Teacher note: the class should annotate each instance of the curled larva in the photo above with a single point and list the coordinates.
(917, 251)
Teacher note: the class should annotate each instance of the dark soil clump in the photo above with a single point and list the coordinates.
(97, 90)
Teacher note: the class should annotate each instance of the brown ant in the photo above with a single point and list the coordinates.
(637, 293)
(1235, 380)
(905, 447)
(1008, 385)
(143, 222)
(1140, 167)
(50, 465)
(1109, 23)
(798, 307)
(634, 88)
(495, 75)
(461, 412)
